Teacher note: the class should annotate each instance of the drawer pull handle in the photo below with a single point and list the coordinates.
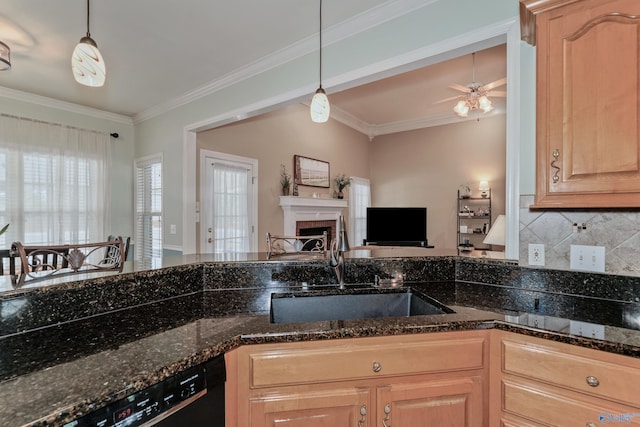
(387, 413)
(593, 381)
(377, 367)
(591, 424)
(363, 414)
(556, 154)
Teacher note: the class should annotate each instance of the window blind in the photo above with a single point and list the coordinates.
(148, 242)
(359, 201)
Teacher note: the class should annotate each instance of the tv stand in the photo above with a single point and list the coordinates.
(413, 243)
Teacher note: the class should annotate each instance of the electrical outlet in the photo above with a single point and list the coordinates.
(587, 258)
(536, 254)
(535, 320)
(585, 329)
(172, 229)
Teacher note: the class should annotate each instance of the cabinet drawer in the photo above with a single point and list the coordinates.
(612, 378)
(555, 407)
(286, 366)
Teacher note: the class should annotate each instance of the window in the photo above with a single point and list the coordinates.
(359, 201)
(54, 183)
(148, 242)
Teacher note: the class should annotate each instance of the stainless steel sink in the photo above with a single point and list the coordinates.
(317, 306)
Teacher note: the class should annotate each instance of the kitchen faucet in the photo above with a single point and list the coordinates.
(339, 246)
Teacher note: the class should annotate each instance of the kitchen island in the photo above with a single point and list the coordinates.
(127, 332)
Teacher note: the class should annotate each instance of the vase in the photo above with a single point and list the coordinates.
(340, 195)
(285, 191)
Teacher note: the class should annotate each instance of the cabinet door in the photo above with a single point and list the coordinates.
(330, 408)
(455, 402)
(588, 100)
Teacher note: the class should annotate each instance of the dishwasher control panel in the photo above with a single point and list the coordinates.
(158, 400)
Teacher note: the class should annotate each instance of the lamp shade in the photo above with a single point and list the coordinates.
(484, 186)
(496, 235)
(320, 108)
(5, 57)
(87, 63)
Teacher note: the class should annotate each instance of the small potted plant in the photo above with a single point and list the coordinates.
(341, 181)
(285, 180)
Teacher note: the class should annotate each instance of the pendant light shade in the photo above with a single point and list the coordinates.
(320, 108)
(5, 57)
(86, 61)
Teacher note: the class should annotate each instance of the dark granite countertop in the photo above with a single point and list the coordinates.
(53, 370)
(65, 391)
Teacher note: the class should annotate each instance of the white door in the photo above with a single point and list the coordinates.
(228, 203)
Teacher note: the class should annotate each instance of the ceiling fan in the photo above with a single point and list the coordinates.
(475, 94)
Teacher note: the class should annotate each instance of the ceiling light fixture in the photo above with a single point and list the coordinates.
(320, 107)
(476, 97)
(5, 57)
(86, 61)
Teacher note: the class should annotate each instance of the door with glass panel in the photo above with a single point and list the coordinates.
(228, 204)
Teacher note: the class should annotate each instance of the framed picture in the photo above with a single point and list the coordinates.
(311, 172)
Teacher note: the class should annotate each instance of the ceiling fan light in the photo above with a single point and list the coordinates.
(461, 108)
(320, 108)
(87, 63)
(485, 103)
(5, 57)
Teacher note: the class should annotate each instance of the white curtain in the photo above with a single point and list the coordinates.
(54, 183)
(230, 208)
(359, 201)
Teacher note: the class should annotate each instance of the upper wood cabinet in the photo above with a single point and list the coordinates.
(588, 101)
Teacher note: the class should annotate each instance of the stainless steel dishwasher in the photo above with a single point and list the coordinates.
(194, 397)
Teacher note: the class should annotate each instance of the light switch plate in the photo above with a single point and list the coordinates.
(587, 258)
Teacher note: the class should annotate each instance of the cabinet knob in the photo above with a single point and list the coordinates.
(593, 381)
(377, 367)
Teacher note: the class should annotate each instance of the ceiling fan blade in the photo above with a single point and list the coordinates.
(499, 93)
(499, 82)
(449, 99)
(460, 88)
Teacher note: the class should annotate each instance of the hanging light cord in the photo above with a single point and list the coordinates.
(88, 33)
(320, 44)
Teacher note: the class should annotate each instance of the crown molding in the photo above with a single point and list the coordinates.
(43, 101)
(356, 24)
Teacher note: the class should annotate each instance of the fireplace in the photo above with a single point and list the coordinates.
(316, 228)
(315, 213)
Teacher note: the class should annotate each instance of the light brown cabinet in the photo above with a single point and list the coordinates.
(545, 383)
(362, 382)
(588, 101)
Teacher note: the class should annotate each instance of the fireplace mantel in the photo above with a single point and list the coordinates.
(309, 209)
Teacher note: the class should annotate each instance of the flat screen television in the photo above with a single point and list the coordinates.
(391, 226)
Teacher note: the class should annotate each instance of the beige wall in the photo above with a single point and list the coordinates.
(417, 168)
(273, 139)
(425, 168)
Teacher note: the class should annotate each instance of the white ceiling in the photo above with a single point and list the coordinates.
(157, 51)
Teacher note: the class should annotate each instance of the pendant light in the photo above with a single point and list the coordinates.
(320, 107)
(86, 61)
(5, 57)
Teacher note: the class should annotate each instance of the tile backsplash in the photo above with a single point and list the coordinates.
(617, 230)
